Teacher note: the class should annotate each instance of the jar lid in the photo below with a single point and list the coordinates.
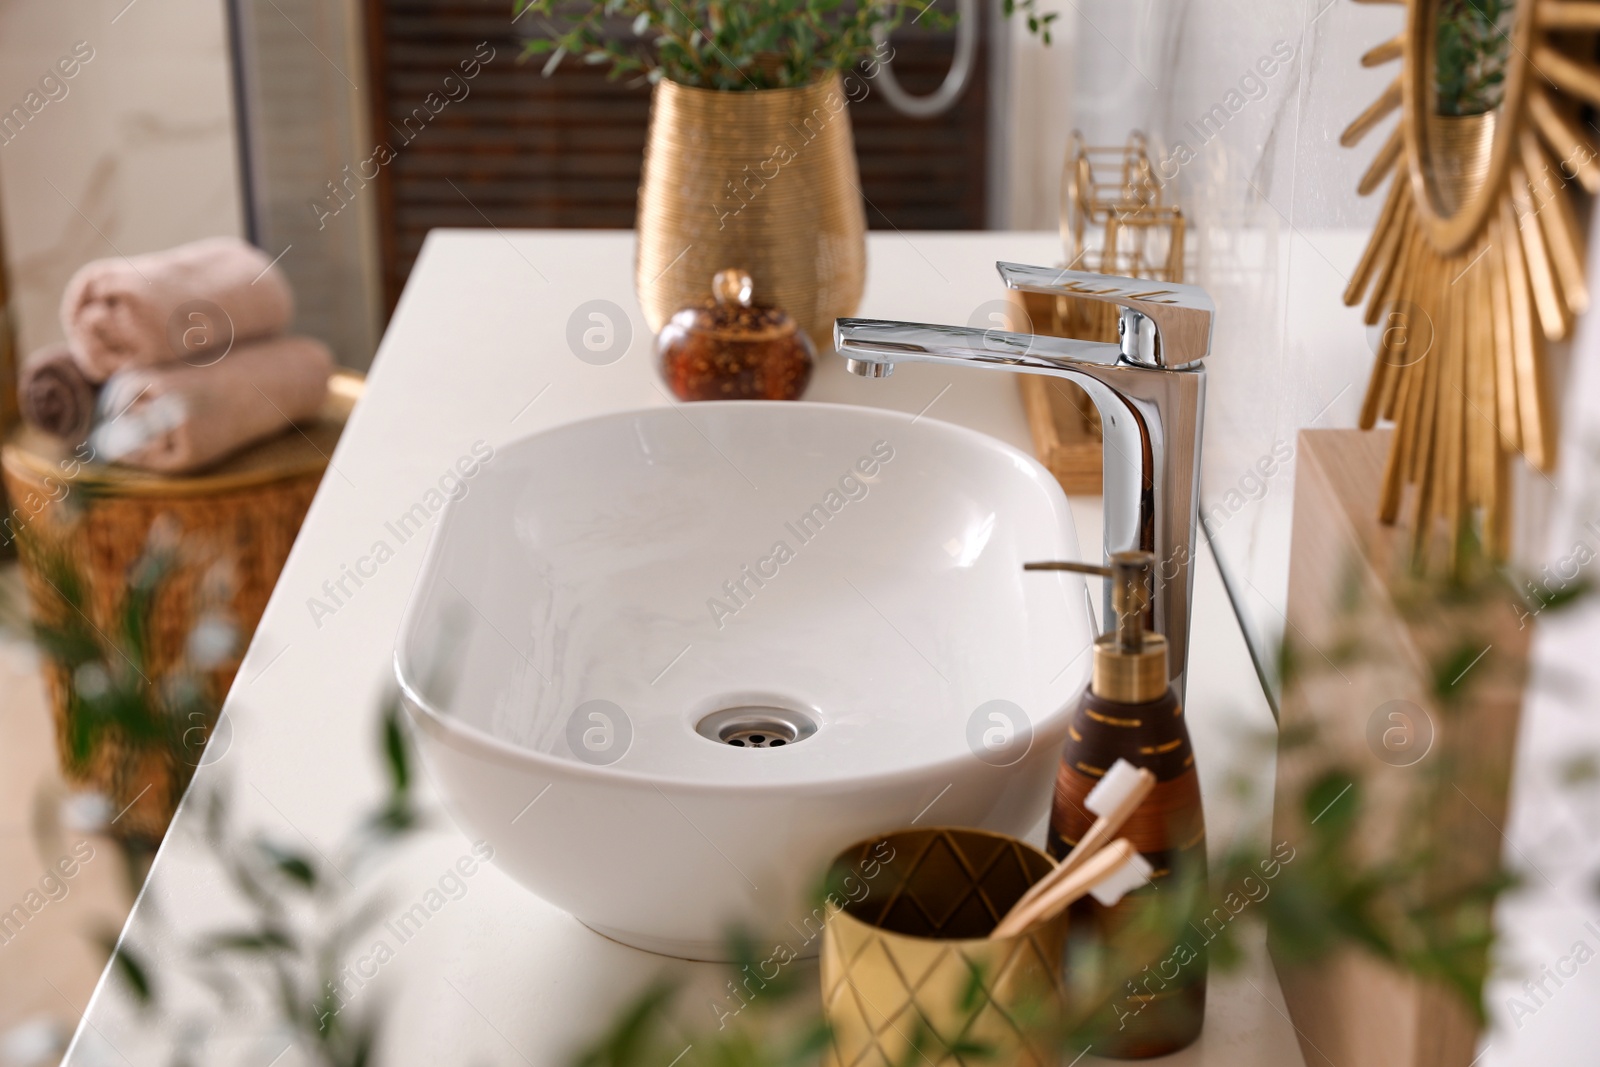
(729, 314)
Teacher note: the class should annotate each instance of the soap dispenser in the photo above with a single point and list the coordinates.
(1130, 712)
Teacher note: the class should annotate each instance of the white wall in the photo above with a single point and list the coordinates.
(1037, 92)
(1275, 224)
(1550, 928)
(1275, 228)
(137, 155)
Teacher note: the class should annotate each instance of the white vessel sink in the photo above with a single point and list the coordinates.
(844, 580)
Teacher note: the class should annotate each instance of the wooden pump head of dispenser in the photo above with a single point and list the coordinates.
(1130, 662)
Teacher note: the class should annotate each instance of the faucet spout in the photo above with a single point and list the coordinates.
(1151, 415)
(882, 342)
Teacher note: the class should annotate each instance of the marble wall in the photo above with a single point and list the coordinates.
(131, 151)
(1275, 224)
(1546, 983)
(1243, 102)
(140, 148)
(1277, 229)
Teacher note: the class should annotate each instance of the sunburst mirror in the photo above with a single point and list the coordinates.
(1477, 256)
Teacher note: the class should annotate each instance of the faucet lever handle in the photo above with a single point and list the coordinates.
(1181, 314)
(1132, 573)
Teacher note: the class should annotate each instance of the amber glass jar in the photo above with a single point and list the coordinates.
(731, 349)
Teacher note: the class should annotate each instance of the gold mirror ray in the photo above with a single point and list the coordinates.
(1477, 257)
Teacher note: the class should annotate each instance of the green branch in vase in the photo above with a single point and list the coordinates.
(711, 44)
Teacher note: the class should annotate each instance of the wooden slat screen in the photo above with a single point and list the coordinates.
(522, 150)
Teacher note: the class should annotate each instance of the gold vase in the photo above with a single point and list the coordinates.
(764, 181)
(1459, 149)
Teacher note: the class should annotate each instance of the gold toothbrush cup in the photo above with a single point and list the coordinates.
(907, 961)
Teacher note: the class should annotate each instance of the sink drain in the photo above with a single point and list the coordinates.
(756, 726)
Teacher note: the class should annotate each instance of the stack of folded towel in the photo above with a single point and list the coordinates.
(176, 359)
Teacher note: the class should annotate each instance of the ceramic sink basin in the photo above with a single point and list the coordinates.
(668, 662)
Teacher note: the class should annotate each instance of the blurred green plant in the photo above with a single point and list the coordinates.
(120, 715)
(744, 45)
(303, 916)
(1402, 893)
(304, 913)
(147, 728)
(647, 1033)
(778, 1028)
(1328, 892)
(1472, 44)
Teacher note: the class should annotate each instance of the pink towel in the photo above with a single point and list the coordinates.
(177, 418)
(187, 303)
(54, 395)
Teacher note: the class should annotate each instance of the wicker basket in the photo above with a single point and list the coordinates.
(237, 520)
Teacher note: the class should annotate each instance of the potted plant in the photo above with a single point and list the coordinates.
(750, 162)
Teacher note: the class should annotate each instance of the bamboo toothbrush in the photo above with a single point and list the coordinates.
(1118, 794)
(1108, 874)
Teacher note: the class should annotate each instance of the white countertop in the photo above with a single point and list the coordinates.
(477, 350)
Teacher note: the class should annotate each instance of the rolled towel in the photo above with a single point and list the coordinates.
(54, 395)
(178, 418)
(187, 303)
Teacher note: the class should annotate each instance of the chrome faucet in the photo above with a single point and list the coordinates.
(1150, 390)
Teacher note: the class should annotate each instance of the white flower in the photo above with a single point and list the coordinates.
(91, 681)
(212, 641)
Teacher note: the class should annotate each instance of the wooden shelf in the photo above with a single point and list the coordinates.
(1354, 1007)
